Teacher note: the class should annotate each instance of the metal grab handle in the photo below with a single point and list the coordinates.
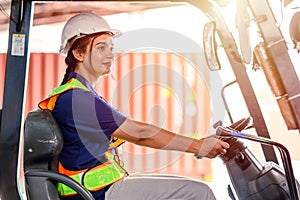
(62, 179)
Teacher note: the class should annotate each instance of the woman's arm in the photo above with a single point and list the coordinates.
(152, 136)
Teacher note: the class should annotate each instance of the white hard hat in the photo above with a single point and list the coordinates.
(81, 25)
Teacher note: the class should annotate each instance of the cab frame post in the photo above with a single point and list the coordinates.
(13, 98)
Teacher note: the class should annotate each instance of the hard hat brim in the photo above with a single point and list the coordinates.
(66, 47)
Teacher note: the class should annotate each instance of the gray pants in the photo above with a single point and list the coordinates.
(159, 187)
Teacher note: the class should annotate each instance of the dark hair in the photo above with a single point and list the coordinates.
(70, 60)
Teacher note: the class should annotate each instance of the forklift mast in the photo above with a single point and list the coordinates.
(273, 45)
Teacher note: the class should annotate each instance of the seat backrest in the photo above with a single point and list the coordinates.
(43, 142)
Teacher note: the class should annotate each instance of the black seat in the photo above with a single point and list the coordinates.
(0, 118)
(42, 144)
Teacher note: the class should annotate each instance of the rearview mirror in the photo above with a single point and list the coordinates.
(210, 46)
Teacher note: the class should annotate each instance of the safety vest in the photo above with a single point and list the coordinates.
(94, 178)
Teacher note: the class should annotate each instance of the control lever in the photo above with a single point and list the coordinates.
(225, 133)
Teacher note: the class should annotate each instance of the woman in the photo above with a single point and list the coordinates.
(92, 128)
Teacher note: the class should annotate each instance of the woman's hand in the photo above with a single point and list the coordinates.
(211, 147)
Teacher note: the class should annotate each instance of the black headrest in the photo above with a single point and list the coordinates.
(42, 138)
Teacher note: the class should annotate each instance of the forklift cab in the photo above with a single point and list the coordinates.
(42, 137)
(43, 142)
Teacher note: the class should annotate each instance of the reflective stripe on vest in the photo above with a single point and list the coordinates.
(97, 177)
(50, 101)
(93, 179)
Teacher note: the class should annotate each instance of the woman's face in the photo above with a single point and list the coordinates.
(99, 58)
